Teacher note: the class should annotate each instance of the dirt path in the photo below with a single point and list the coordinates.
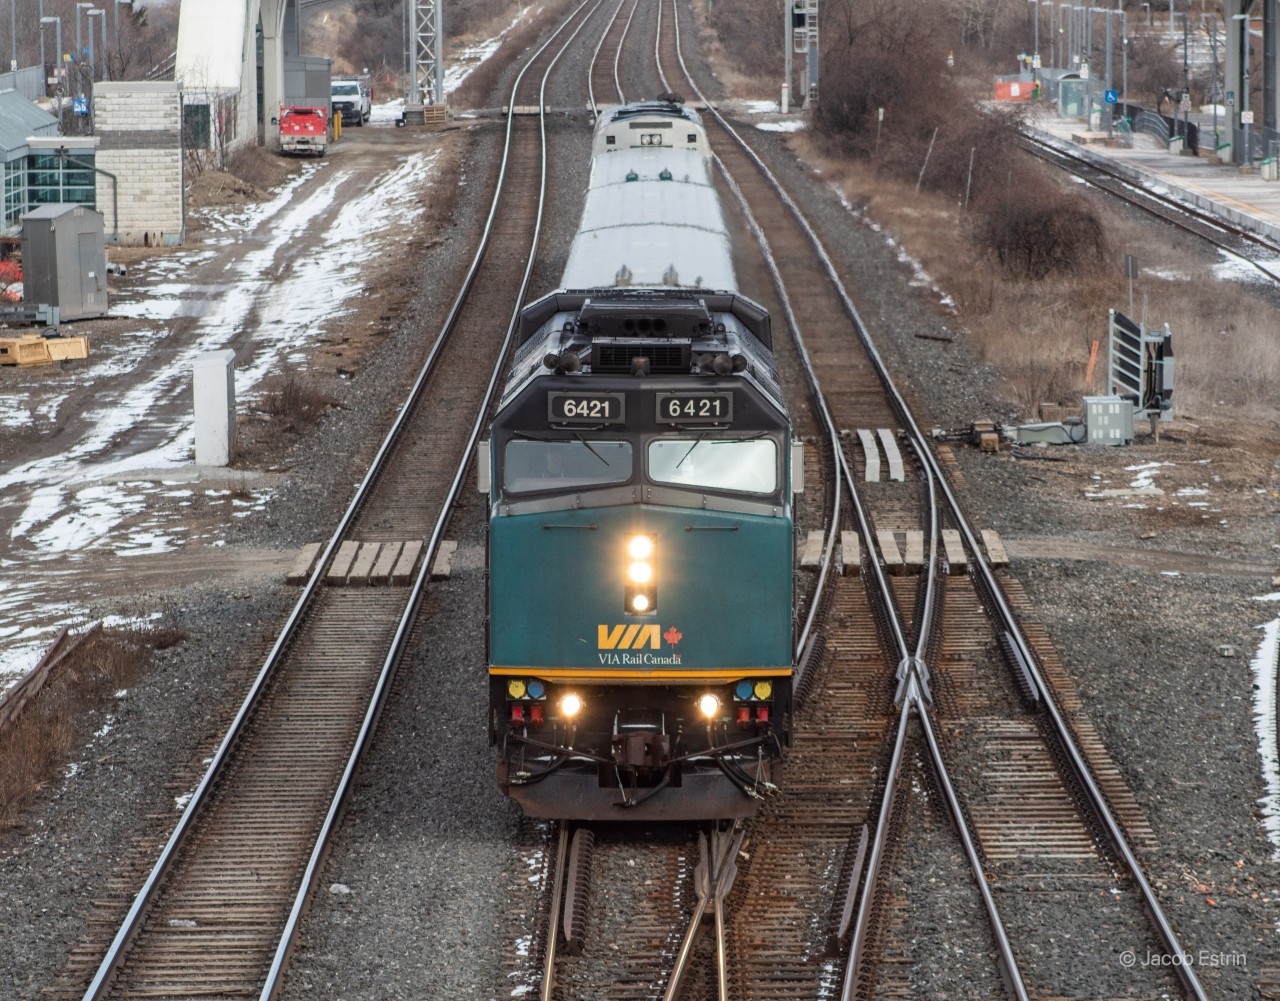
(96, 456)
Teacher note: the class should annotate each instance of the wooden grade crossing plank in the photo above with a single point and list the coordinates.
(872, 454)
(995, 548)
(305, 562)
(957, 558)
(443, 565)
(889, 443)
(402, 572)
(363, 563)
(851, 553)
(889, 551)
(381, 572)
(811, 555)
(341, 564)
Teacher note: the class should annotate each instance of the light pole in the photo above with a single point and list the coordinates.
(1213, 90)
(80, 45)
(1186, 83)
(57, 41)
(1245, 116)
(1124, 59)
(1172, 7)
(1035, 42)
(92, 63)
(102, 23)
(44, 72)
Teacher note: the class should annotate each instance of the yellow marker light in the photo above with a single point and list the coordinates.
(570, 706)
(641, 573)
(709, 705)
(763, 689)
(515, 688)
(640, 602)
(640, 547)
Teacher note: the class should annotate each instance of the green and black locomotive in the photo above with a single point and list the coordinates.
(640, 474)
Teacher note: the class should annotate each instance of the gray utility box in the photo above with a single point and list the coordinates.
(64, 261)
(306, 82)
(1109, 420)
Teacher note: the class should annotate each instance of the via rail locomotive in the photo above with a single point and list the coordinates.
(640, 474)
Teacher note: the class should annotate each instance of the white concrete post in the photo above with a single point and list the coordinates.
(215, 407)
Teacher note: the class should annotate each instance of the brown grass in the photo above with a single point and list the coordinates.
(291, 397)
(478, 89)
(55, 722)
(1039, 334)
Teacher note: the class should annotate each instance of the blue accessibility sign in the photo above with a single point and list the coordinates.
(80, 105)
(1112, 97)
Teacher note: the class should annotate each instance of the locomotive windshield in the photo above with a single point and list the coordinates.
(744, 465)
(531, 465)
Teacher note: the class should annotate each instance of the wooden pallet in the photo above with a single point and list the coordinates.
(32, 349)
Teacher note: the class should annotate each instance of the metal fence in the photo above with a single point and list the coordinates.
(28, 82)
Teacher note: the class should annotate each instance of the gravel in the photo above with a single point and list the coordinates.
(429, 884)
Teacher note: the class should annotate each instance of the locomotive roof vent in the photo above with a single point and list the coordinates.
(687, 318)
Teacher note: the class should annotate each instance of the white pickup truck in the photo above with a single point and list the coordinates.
(351, 99)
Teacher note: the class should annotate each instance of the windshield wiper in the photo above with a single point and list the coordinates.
(703, 437)
(590, 448)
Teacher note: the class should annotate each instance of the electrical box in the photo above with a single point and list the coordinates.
(1109, 420)
(64, 260)
(214, 385)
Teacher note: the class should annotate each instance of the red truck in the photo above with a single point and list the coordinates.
(304, 130)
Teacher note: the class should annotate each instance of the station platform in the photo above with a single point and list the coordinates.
(1242, 199)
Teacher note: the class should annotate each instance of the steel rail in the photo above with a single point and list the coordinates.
(1163, 207)
(920, 442)
(617, 56)
(553, 922)
(145, 896)
(713, 885)
(595, 56)
(414, 603)
(1080, 768)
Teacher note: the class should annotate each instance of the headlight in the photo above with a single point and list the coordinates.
(709, 706)
(640, 547)
(640, 594)
(570, 706)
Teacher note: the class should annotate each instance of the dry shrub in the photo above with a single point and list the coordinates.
(1035, 230)
(289, 396)
(42, 739)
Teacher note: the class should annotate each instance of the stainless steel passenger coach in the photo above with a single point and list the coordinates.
(640, 475)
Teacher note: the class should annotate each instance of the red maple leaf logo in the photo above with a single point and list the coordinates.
(673, 636)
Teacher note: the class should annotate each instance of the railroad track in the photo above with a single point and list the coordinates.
(1237, 241)
(1080, 798)
(217, 914)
